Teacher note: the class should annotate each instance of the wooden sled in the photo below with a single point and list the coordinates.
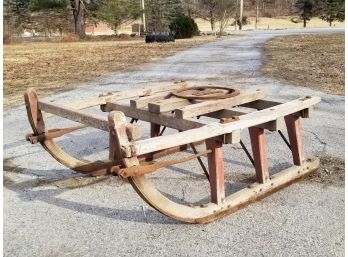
(177, 106)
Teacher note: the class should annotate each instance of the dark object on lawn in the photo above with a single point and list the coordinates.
(159, 38)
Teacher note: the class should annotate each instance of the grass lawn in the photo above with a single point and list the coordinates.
(54, 67)
(315, 61)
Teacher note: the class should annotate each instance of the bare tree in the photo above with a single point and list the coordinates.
(216, 11)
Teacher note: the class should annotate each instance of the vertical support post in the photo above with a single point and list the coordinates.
(293, 127)
(119, 145)
(216, 171)
(155, 130)
(258, 144)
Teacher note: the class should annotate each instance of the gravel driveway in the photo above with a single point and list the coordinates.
(47, 213)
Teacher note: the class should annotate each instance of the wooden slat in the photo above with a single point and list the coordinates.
(273, 125)
(217, 129)
(215, 105)
(145, 91)
(143, 101)
(75, 115)
(160, 119)
(167, 105)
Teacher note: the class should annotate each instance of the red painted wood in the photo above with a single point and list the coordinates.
(293, 126)
(258, 144)
(216, 171)
(155, 130)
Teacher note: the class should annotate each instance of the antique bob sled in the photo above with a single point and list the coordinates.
(178, 106)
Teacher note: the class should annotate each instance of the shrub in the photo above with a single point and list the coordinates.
(268, 15)
(184, 27)
(245, 21)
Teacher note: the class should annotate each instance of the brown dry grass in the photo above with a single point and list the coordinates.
(331, 171)
(54, 67)
(315, 61)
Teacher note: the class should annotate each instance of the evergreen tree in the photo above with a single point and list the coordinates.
(160, 13)
(117, 12)
(306, 10)
(333, 10)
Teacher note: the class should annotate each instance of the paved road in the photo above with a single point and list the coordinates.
(48, 214)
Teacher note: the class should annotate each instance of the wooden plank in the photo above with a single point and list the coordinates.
(75, 115)
(258, 144)
(217, 129)
(143, 101)
(263, 104)
(160, 119)
(167, 105)
(273, 125)
(216, 171)
(145, 91)
(293, 126)
(214, 105)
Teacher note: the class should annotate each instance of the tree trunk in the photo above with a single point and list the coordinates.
(79, 17)
(212, 21)
(241, 15)
(330, 22)
(304, 22)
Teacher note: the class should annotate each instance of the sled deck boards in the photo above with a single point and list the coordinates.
(157, 106)
(217, 129)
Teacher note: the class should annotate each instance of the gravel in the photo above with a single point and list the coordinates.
(49, 213)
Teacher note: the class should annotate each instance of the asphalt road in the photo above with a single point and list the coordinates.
(48, 214)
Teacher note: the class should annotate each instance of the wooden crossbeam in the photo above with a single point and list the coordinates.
(143, 101)
(214, 105)
(98, 122)
(273, 125)
(94, 101)
(167, 105)
(160, 119)
(217, 129)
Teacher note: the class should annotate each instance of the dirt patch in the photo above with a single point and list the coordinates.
(55, 67)
(331, 172)
(315, 61)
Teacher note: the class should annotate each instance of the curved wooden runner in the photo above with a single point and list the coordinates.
(37, 124)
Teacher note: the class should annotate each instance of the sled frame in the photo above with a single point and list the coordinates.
(161, 109)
